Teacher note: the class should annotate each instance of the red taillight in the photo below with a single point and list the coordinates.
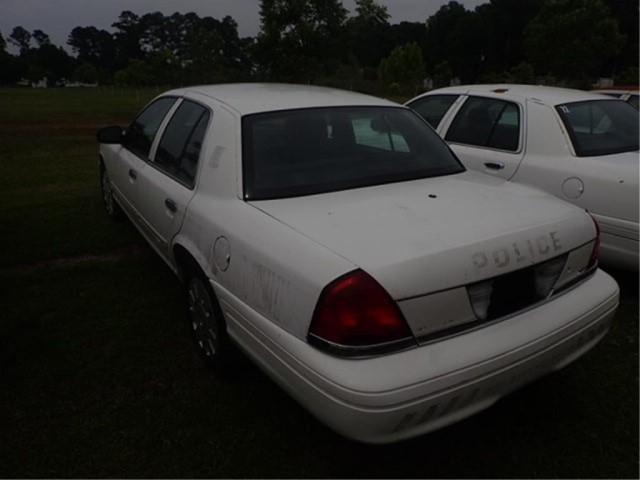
(593, 261)
(355, 311)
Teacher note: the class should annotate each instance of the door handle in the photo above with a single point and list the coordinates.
(171, 205)
(133, 174)
(494, 165)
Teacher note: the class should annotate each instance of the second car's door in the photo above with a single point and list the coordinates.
(487, 134)
(168, 183)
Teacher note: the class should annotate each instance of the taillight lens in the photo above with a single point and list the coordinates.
(593, 261)
(355, 311)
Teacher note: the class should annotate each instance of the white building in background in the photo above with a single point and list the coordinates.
(604, 82)
(78, 84)
(44, 83)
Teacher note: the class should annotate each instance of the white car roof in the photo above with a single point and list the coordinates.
(548, 95)
(248, 98)
(616, 90)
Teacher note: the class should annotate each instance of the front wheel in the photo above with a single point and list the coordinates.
(110, 205)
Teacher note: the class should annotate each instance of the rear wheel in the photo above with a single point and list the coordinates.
(206, 322)
(110, 205)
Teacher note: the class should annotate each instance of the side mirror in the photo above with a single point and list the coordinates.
(113, 135)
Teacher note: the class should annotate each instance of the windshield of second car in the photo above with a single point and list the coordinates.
(308, 151)
(601, 127)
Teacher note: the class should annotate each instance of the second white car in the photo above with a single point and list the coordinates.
(580, 146)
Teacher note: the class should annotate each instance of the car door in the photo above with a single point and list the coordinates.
(168, 182)
(131, 157)
(487, 134)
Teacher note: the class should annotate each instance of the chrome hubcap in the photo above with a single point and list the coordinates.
(203, 322)
(107, 193)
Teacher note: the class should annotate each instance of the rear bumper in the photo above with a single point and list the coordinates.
(392, 397)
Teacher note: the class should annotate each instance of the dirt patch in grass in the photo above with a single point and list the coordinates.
(49, 188)
(57, 128)
(77, 260)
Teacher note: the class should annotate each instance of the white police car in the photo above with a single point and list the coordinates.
(336, 239)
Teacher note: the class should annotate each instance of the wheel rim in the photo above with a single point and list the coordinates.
(202, 317)
(107, 193)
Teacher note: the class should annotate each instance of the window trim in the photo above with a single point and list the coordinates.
(247, 150)
(161, 131)
(146, 158)
(521, 122)
(427, 97)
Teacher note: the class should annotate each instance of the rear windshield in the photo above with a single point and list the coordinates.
(601, 127)
(308, 151)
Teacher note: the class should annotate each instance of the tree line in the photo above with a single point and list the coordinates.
(569, 42)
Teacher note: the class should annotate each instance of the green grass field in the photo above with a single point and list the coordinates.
(99, 379)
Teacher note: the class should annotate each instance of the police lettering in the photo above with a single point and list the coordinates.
(541, 246)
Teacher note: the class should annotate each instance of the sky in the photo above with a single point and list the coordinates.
(58, 17)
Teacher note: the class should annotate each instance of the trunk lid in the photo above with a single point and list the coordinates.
(433, 234)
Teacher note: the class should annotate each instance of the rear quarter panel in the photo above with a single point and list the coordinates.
(271, 269)
(610, 182)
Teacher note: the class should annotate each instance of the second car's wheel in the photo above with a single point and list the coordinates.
(207, 324)
(110, 204)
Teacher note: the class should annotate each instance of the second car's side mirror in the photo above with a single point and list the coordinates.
(113, 135)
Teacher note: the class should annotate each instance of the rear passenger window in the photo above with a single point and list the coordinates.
(506, 131)
(486, 122)
(433, 107)
(180, 146)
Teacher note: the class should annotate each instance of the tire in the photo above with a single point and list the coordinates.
(207, 324)
(110, 204)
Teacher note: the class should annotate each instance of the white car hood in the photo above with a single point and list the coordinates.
(426, 235)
